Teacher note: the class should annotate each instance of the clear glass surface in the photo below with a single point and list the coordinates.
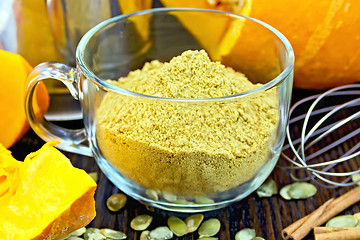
(185, 155)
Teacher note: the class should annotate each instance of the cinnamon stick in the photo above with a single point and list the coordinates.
(329, 209)
(296, 231)
(336, 233)
(285, 233)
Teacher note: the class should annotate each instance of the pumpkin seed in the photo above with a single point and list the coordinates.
(145, 235)
(141, 222)
(193, 222)
(169, 197)
(113, 234)
(208, 238)
(152, 194)
(342, 221)
(93, 234)
(298, 190)
(161, 233)
(245, 234)
(203, 200)
(267, 189)
(258, 238)
(116, 202)
(76, 233)
(177, 226)
(302, 190)
(94, 176)
(74, 238)
(91, 230)
(284, 192)
(181, 201)
(209, 228)
(357, 215)
(356, 178)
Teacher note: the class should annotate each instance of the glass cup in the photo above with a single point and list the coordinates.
(186, 155)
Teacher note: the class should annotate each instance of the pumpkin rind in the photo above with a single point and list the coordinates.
(13, 78)
(324, 34)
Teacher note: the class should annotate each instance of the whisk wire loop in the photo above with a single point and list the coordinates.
(300, 161)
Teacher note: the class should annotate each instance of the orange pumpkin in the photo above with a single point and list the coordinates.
(324, 34)
(142, 24)
(44, 197)
(13, 73)
(35, 39)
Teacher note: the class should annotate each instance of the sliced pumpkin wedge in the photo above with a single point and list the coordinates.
(142, 23)
(47, 199)
(9, 172)
(217, 43)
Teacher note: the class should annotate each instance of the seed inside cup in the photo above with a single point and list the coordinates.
(203, 200)
(169, 197)
(152, 194)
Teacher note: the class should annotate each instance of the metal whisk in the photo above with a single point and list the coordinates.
(333, 114)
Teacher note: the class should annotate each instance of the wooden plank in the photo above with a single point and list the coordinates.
(268, 216)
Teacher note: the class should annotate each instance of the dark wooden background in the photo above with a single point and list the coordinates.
(268, 216)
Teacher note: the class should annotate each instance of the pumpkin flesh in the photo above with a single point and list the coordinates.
(48, 199)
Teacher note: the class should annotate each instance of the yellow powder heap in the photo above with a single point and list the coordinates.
(190, 75)
(183, 147)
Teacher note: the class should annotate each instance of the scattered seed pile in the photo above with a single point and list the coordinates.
(183, 147)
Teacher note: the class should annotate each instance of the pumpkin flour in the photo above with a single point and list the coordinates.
(185, 147)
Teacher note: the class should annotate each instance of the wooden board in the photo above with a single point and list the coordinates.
(268, 216)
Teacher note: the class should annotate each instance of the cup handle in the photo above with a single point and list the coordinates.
(70, 140)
